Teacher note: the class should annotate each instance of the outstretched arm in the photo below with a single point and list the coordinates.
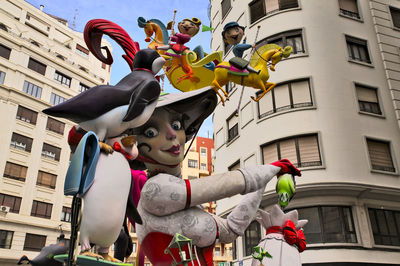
(165, 194)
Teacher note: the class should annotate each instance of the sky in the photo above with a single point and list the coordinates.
(125, 14)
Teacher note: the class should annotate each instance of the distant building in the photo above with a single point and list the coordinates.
(42, 63)
(335, 113)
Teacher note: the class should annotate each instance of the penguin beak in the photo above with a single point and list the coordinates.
(166, 57)
(128, 141)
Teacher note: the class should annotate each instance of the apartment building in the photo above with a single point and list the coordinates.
(335, 113)
(43, 62)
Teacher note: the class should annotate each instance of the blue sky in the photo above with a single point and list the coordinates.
(125, 14)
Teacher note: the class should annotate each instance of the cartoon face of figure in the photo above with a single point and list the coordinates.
(188, 27)
(233, 35)
(163, 138)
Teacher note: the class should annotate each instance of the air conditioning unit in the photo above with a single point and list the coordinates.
(4, 209)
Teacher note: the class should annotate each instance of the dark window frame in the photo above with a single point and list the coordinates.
(250, 241)
(40, 182)
(32, 239)
(56, 99)
(395, 20)
(6, 239)
(282, 5)
(26, 115)
(366, 106)
(356, 48)
(83, 87)
(292, 105)
(57, 152)
(55, 126)
(5, 51)
(384, 234)
(193, 163)
(62, 79)
(226, 6)
(389, 169)
(282, 38)
(66, 214)
(2, 77)
(233, 131)
(32, 89)
(349, 13)
(17, 139)
(37, 66)
(22, 171)
(16, 204)
(296, 138)
(347, 234)
(40, 204)
(255, 12)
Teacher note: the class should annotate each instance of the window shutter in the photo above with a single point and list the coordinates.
(265, 105)
(282, 99)
(366, 94)
(270, 153)
(348, 5)
(309, 151)
(395, 16)
(271, 5)
(232, 121)
(285, 4)
(379, 153)
(301, 92)
(288, 150)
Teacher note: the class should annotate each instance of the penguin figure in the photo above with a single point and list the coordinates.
(105, 203)
(110, 110)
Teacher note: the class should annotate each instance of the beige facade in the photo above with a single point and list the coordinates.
(42, 63)
(334, 113)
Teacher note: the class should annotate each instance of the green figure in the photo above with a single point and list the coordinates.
(261, 254)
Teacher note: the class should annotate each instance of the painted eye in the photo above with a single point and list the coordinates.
(151, 132)
(176, 125)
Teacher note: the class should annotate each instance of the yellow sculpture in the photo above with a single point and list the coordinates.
(225, 72)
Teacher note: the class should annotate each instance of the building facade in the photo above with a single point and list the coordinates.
(334, 113)
(42, 63)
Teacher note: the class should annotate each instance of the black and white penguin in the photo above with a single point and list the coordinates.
(110, 110)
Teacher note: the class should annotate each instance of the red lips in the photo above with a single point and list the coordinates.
(176, 150)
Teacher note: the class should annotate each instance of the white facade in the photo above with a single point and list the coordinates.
(321, 114)
(36, 50)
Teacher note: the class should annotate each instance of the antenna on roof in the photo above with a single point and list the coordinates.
(73, 26)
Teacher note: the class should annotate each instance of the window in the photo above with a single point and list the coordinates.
(21, 142)
(349, 8)
(234, 250)
(293, 38)
(395, 12)
(55, 126)
(251, 238)
(41, 209)
(385, 226)
(190, 177)
(66, 214)
(285, 96)
(5, 51)
(203, 151)
(203, 166)
(32, 89)
(229, 87)
(51, 152)
(260, 8)
(2, 77)
(36, 66)
(217, 251)
(10, 201)
(6, 239)
(368, 99)
(63, 79)
(233, 127)
(3, 27)
(234, 166)
(257, 10)
(15, 171)
(225, 7)
(302, 151)
(358, 49)
(27, 115)
(56, 99)
(380, 155)
(82, 51)
(46, 179)
(83, 87)
(328, 224)
(34, 242)
(134, 247)
(192, 164)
